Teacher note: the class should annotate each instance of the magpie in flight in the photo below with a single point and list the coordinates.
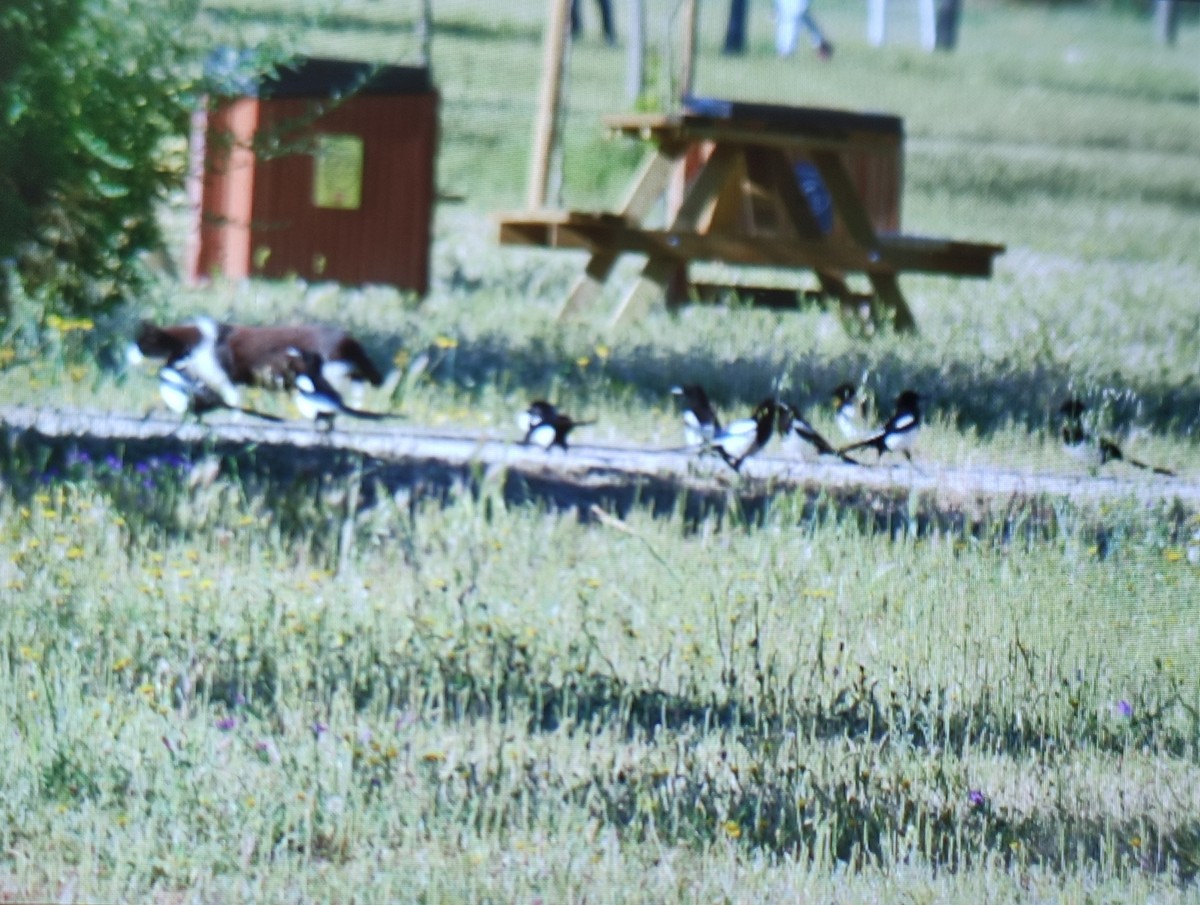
(546, 426)
(185, 394)
(700, 421)
(1093, 451)
(795, 430)
(743, 438)
(900, 431)
(313, 394)
(851, 406)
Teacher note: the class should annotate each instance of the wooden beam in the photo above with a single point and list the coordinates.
(846, 201)
(687, 74)
(650, 288)
(647, 188)
(693, 216)
(887, 288)
(947, 256)
(545, 129)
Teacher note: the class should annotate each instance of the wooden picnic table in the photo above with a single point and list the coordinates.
(757, 184)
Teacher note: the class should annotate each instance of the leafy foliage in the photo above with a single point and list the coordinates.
(94, 95)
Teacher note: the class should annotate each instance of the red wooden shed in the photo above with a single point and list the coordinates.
(325, 172)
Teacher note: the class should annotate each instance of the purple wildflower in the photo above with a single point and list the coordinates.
(976, 798)
(227, 723)
(319, 728)
(112, 462)
(1124, 708)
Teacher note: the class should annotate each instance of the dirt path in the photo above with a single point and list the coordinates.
(403, 454)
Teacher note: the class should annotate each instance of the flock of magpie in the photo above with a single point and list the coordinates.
(737, 441)
(545, 426)
(206, 362)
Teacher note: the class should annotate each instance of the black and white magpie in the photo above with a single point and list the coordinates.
(545, 426)
(900, 431)
(851, 407)
(1093, 451)
(700, 421)
(185, 394)
(797, 433)
(743, 438)
(315, 397)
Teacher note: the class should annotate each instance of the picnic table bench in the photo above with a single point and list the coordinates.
(756, 184)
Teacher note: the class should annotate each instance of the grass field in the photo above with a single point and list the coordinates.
(231, 686)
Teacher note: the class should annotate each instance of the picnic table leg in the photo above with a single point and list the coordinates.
(588, 284)
(850, 303)
(850, 209)
(648, 186)
(694, 214)
(887, 288)
(650, 287)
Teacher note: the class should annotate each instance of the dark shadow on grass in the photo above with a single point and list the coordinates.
(153, 475)
(980, 396)
(778, 805)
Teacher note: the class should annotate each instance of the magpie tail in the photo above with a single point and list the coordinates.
(877, 443)
(365, 415)
(257, 414)
(1155, 469)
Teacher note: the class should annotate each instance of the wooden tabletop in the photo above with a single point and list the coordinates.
(762, 124)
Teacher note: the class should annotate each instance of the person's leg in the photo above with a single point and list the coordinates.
(815, 36)
(787, 12)
(735, 28)
(606, 21)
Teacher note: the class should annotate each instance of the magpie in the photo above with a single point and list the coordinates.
(185, 395)
(850, 405)
(313, 394)
(795, 430)
(1093, 451)
(900, 431)
(700, 421)
(743, 438)
(545, 426)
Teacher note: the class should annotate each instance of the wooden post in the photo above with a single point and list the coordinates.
(635, 55)
(545, 128)
(688, 72)
(1166, 21)
(425, 29)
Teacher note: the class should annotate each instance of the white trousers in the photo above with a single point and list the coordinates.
(790, 17)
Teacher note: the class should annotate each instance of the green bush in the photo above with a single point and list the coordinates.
(95, 97)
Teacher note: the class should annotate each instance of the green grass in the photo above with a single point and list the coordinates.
(479, 705)
(247, 687)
